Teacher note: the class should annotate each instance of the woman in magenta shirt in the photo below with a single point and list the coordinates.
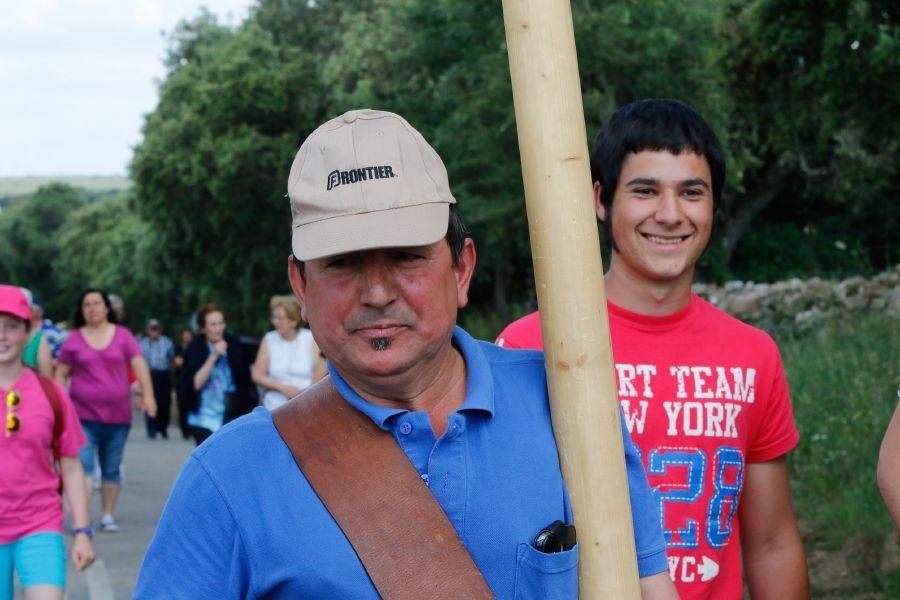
(96, 357)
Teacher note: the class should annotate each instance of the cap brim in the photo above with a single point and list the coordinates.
(418, 225)
(17, 313)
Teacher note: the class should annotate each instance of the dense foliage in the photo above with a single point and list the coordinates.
(800, 92)
(813, 86)
(29, 248)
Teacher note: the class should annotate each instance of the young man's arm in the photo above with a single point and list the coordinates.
(774, 562)
(658, 587)
(889, 468)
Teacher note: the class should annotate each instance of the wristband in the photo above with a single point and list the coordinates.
(86, 530)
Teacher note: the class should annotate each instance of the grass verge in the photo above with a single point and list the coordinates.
(844, 381)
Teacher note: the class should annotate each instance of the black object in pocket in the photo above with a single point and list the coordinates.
(555, 537)
(545, 576)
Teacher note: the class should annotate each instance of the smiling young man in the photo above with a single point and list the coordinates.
(381, 265)
(704, 395)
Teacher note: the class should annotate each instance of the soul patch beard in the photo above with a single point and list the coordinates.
(380, 344)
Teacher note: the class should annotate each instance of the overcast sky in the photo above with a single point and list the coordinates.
(77, 76)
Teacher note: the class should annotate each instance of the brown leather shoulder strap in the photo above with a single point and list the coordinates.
(399, 531)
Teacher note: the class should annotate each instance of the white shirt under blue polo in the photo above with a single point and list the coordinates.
(243, 522)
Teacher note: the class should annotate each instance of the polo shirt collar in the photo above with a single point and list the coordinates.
(479, 384)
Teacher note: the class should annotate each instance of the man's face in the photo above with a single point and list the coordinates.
(383, 313)
(153, 332)
(661, 215)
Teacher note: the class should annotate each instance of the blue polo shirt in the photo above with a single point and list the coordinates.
(243, 522)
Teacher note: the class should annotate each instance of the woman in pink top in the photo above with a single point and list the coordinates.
(31, 514)
(96, 357)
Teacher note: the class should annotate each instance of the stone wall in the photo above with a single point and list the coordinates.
(802, 305)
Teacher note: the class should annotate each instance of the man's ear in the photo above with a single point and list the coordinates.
(598, 203)
(298, 285)
(464, 270)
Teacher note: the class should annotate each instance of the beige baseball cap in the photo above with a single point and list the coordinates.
(366, 180)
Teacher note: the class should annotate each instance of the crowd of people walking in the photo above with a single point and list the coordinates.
(415, 395)
(93, 379)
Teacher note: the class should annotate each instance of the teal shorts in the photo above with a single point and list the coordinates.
(39, 559)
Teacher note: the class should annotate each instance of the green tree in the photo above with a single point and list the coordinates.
(813, 89)
(28, 241)
(107, 245)
(209, 173)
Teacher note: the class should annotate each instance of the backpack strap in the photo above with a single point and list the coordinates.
(59, 422)
(399, 531)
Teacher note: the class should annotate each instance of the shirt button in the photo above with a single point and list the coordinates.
(405, 428)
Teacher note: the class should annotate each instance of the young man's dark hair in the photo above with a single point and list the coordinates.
(656, 125)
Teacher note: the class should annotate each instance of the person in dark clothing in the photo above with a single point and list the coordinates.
(187, 336)
(159, 351)
(215, 377)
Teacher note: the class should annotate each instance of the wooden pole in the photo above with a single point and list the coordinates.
(569, 280)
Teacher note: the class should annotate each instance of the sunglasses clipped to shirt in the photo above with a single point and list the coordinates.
(13, 422)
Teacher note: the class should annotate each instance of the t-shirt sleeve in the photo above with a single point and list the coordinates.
(507, 339)
(776, 433)
(129, 344)
(67, 351)
(524, 333)
(73, 437)
(648, 536)
(197, 552)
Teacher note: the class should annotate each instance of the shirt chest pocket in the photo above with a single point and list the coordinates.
(546, 576)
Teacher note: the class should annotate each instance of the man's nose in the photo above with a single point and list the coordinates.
(668, 210)
(378, 286)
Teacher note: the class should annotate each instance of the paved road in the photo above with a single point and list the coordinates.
(151, 467)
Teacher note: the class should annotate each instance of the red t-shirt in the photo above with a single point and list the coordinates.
(29, 487)
(703, 394)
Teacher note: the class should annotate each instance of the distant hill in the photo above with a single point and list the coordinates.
(11, 187)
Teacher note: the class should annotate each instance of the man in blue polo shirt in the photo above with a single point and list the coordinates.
(381, 266)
